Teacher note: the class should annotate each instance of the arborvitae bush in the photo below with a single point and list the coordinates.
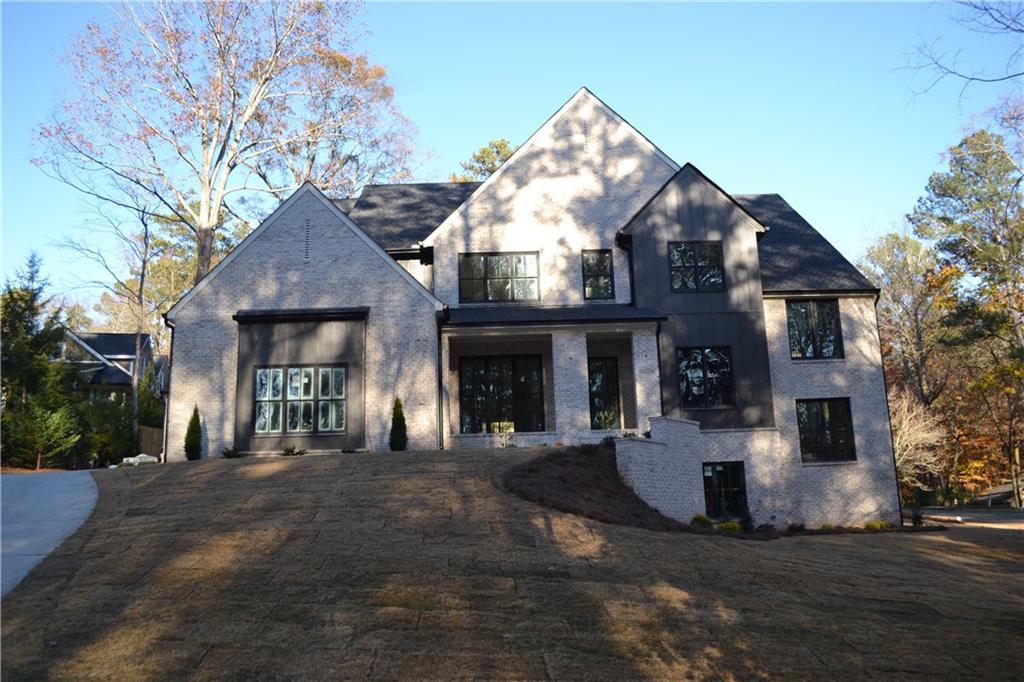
(193, 437)
(399, 438)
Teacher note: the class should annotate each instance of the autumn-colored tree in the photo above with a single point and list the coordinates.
(975, 214)
(205, 106)
(484, 161)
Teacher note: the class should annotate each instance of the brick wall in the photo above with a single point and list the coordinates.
(277, 271)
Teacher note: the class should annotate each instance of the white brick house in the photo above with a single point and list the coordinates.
(589, 285)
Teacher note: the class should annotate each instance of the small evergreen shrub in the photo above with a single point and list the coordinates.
(730, 527)
(292, 451)
(877, 525)
(701, 521)
(231, 453)
(193, 437)
(399, 438)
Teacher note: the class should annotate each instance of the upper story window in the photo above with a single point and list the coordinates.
(300, 400)
(696, 266)
(705, 377)
(598, 282)
(495, 277)
(826, 430)
(814, 331)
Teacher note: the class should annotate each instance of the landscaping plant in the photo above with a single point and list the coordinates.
(399, 438)
(193, 437)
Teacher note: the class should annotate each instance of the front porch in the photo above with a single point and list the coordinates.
(534, 386)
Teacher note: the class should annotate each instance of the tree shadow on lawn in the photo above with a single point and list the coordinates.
(419, 566)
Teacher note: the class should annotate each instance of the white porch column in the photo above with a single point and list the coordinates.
(572, 392)
(647, 379)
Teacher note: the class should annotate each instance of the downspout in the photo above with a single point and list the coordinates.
(442, 315)
(167, 402)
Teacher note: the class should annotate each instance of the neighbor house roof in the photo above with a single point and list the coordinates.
(398, 216)
(793, 255)
(112, 344)
(471, 316)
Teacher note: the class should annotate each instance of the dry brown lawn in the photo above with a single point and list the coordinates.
(418, 566)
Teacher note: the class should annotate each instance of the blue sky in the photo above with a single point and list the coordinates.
(807, 100)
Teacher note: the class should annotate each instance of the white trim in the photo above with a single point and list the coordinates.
(582, 92)
(306, 188)
(89, 349)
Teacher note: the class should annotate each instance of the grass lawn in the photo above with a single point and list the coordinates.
(419, 566)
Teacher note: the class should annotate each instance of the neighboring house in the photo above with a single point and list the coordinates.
(590, 284)
(106, 360)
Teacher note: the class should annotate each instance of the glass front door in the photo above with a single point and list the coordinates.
(725, 489)
(501, 394)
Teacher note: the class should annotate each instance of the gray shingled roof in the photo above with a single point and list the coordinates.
(398, 216)
(112, 343)
(470, 316)
(793, 255)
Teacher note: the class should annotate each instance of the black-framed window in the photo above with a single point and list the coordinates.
(603, 376)
(705, 377)
(826, 430)
(598, 280)
(300, 400)
(696, 266)
(495, 277)
(501, 394)
(814, 329)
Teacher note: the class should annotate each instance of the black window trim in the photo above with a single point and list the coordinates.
(828, 460)
(539, 357)
(840, 346)
(527, 301)
(611, 274)
(697, 290)
(728, 405)
(284, 432)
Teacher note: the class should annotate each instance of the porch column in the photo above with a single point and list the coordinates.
(572, 392)
(647, 379)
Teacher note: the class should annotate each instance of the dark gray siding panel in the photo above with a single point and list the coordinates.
(300, 343)
(689, 208)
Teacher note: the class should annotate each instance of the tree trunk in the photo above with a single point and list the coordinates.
(204, 252)
(1018, 500)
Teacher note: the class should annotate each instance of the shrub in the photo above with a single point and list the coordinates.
(292, 451)
(399, 438)
(701, 521)
(747, 522)
(765, 528)
(731, 527)
(231, 453)
(193, 437)
(878, 525)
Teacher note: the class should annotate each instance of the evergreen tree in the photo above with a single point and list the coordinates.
(193, 437)
(399, 438)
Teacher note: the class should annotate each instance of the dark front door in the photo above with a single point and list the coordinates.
(604, 393)
(500, 394)
(725, 489)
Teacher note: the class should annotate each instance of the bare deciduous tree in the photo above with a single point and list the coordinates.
(916, 436)
(204, 106)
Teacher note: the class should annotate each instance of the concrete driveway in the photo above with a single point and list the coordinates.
(39, 512)
(987, 517)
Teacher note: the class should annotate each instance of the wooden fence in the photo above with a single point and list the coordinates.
(151, 440)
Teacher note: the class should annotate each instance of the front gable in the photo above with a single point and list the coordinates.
(571, 186)
(298, 258)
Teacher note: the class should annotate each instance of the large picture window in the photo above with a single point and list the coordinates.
(501, 394)
(696, 266)
(298, 400)
(498, 277)
(705, 377)
(826, 430)
(814, 331)
(598, 281)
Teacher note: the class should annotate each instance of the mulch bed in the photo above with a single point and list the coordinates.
(584, 481)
